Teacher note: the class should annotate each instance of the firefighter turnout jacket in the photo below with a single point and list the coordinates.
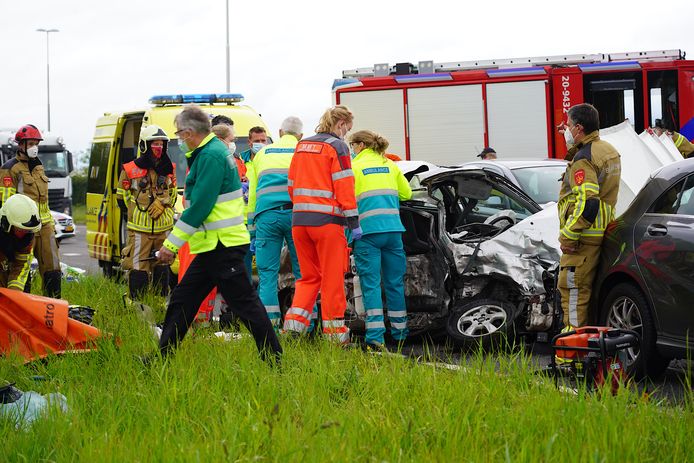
(149, 198)
(267, 179)
(683, 145)
(15, 259)
(215, 207)
(588, 192)
(321, 183)
(27, 177)
(380, 186)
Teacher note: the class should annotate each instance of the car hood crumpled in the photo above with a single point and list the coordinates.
(523, 253)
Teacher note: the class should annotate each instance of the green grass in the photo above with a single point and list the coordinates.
(216, 401)
(79, 213)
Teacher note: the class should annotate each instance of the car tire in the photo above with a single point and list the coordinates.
(482, 323)
(626, 307)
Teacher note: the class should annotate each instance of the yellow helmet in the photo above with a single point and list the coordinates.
(151, 133)
(21, 212)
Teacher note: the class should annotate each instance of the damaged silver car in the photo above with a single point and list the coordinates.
(481, 257)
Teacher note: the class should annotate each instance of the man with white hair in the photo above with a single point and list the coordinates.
(270, 210)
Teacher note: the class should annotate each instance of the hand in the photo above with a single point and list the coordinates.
(156, 209)
(252, 248)
(357, 233)
(568, 249)
(244, 187)
(562, 127)
(165, 256)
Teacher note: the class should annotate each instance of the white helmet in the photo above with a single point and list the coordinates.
(21, 212)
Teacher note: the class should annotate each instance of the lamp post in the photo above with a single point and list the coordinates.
(48, 75)
(227, 18)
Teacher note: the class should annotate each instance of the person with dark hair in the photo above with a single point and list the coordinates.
(683, 145)
(487, 154)
(221, 119)
(257, 138)
(586, 206)
(380, 186)
(213, 227)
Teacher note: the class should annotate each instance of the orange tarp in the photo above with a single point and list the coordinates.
(37, 326)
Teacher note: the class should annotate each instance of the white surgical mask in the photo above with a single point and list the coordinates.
(33, 151)
(568, 137)
(183, 146)
(232, 148)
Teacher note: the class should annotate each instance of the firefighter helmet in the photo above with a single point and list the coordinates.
(151, 133)
(27, 132)
(21, 212)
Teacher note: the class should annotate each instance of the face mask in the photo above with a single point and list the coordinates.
(255, 147)
(568, 137)
(156, 151)
(33, 151)
(232, 148)
(352, 153)
(183, 146)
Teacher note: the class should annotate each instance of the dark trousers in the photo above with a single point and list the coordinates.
(224, 268)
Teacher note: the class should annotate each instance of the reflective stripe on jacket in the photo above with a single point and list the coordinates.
(267, 181)
(139, 199)
(214, 197)
(683, 144)
(589, 191)
(27, 178)
(321, 183)
(379, 185)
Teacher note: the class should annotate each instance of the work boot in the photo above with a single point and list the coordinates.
(160, 279)
(137, 283)
(51, 283)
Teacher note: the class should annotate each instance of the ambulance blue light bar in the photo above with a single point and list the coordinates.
(439, 76)
(200, 98)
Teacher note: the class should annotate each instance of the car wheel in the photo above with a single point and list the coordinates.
(626, 307)
(482, 322)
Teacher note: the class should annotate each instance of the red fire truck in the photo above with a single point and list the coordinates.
(447, 112)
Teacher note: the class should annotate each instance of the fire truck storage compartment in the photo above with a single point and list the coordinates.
(382, 111)
(617, 96)
(517, 119)
(446, 124)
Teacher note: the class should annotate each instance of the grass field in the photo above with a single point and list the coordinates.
(216, 401)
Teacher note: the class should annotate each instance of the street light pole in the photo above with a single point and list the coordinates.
(48, 75)
(228, 70)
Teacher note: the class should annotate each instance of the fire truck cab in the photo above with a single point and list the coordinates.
(445, 113)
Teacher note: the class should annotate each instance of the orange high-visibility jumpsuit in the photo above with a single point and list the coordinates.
(321, 187)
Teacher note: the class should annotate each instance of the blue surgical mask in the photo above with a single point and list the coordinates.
(183, 146)
(255, 147)
(352, 153)
(232, 148)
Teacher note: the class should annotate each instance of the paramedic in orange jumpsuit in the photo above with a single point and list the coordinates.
(321, 187)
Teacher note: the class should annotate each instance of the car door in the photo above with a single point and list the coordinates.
(664, 249)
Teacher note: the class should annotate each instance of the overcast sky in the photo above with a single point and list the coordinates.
(114, 55)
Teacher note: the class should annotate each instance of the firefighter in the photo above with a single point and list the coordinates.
(586, 206)
(19, 222)
(683, 145)
(270, 212)
(487, 154)
(146, 195)
(25, 174)
(213, 227)
(321, 187)
(380, 186)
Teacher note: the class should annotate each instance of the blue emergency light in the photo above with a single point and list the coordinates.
(200, 98)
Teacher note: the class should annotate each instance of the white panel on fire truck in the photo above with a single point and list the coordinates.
(446, 124)
(382, 111)
(517, 119)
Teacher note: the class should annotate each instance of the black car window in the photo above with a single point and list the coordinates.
(668, 202)
(499, 201)
(686, 206)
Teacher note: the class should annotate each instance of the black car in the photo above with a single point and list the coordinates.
(645, 280)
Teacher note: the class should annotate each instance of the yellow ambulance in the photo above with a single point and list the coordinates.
(116, 143)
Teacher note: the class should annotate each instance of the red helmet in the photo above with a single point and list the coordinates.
(28, 132)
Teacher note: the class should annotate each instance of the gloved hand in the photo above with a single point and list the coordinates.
(155, 209)
(244, 187)
(252, 248)
(357, 233)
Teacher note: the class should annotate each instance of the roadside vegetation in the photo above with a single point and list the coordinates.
(216, 401)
